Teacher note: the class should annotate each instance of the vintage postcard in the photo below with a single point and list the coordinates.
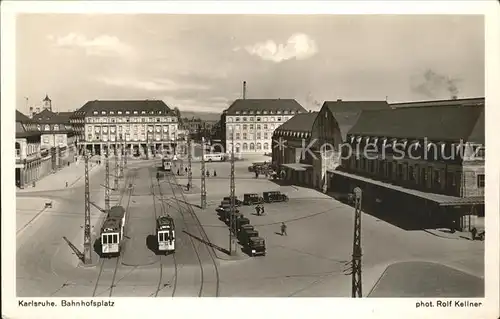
(334, 151)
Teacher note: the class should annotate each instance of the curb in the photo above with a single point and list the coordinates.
(444, 236)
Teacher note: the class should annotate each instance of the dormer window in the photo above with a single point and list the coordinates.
(143, 112)
(286, 112)
(159, 112)
(237, 112)
(258, 112)
(47, 127)
(135, 112)
(127, 112)
(111, 112)
(244, 112)
(119, 112)
(250, 112)
(56, 127)
(151, 112)
(103, 112)
(95, 112)
(264, 112)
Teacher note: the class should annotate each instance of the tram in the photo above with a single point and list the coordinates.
(112, 231)
(166, 164)
(165, 233)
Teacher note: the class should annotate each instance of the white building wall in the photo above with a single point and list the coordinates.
(253, 131)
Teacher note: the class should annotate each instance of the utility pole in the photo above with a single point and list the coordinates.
(190, 174)
(126, 154)
(203, 173)
(147, 145)
(121, 158)
(356, 247)
(87, 255)
(232, 187)
(106, 184)
(115, 186)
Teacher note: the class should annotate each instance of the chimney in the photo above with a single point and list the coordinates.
(454, 97)
(31, 112)
(244, 90)
(339, 100)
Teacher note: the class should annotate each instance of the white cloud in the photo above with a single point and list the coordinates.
(151, 85)
(103, 45)
(299, 46)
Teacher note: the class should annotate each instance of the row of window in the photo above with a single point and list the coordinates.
(128, 112)
(130, 119)
(249, 146)
(404, 172)
(267, 112)
(127, 137)
(60, 139)
(249, 136)
(251, 127)
(30, 149)
(258, 119)
(151, 128)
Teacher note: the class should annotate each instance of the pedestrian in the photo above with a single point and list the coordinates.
(283, 229)
(178, 172)
(157, 176)
(256, 174)
(188, 186)
(66, 184)
(215, 173)
(474, 233)
(208, 173)
(257, 210)
(262, 209)
(186, 169)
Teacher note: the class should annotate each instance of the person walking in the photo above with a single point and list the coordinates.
(215, 173)
(208, 173)
(257, 210)
(283, 229)
(186, 170)
(66, 184)
(157, 176)
(188, 186)
(262, 209)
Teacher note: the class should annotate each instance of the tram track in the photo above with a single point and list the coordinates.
(179, 198)
(130, 180)
(156, 215)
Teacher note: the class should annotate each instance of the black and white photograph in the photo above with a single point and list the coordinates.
(244, 155)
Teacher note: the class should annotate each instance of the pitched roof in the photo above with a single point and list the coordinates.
(355, 106)
(261, 105)
(445, 123)
(302, 122)
(346, 113)
(20, 117)
(463, 102)
(49, 117)
(148, 106)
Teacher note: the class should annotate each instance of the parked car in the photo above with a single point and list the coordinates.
(274, 196)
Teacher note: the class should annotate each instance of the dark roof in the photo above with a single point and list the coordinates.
(122, 105)
(346, 113)
(28, 134)
(269, 105)
(445, 123)
(463, 102)
(355, 106)
(20, 117)
(49, 117)
(47, 98)
(302, 122)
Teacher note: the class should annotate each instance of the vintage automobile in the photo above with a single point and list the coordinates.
(274, 196)
(236, 215)
(256, 246)
(247, 227)
(237, 202)
(245, 236)
(240, 222)
(252, 199)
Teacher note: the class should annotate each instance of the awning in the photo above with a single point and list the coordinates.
(297, 166)
(442, 200)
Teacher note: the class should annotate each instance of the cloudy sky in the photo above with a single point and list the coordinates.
(197, 62)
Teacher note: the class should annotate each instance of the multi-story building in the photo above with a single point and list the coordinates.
(251, 123)
(140, 126)
(419, 167)
(57, 132)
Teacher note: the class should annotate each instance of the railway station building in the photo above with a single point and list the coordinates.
(418, 166)
(288, 149)
(137, 126)
(250, 123)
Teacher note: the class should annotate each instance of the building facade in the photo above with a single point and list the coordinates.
(289, 149)
(420, 166)
(139, 127)
(329, 131)
(250, 123)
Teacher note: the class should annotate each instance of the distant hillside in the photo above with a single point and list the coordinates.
(205, 116)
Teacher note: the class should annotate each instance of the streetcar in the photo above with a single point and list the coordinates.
(165, 233)
(214, 157)
(112, 231)
(166, 164)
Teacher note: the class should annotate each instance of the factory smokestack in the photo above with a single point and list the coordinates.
(244, 90)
